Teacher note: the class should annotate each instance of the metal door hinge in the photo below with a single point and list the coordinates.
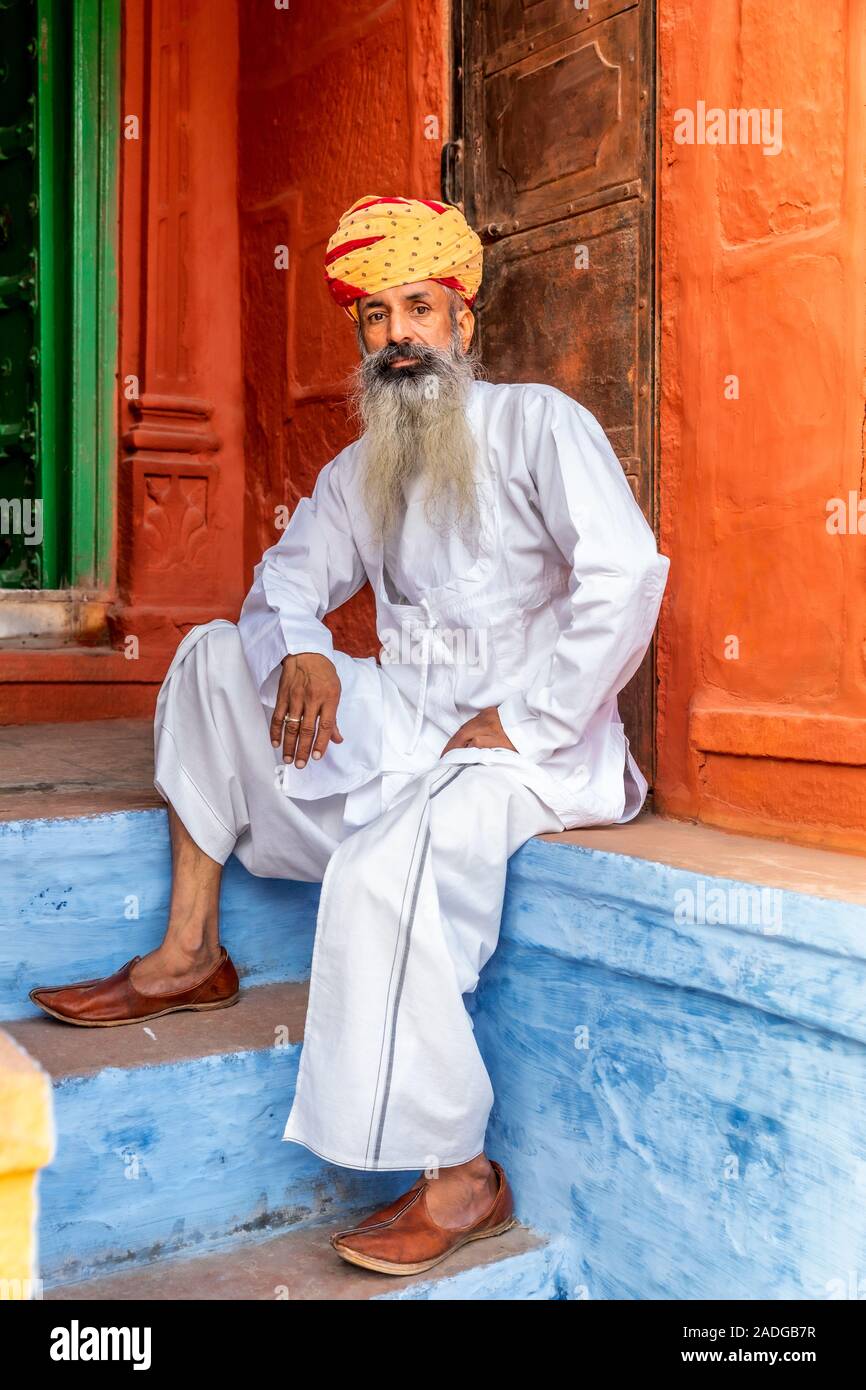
(451, 173)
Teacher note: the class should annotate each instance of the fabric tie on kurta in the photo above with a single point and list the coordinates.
(430, 637)
(384, 242)
(426, 642)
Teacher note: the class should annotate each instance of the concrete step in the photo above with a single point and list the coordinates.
(673, 1022)
(80, 896)
(676, 1037)
(82, 893)
(170, 1137)
(520, 1264)
(85, 862)
(53, 770)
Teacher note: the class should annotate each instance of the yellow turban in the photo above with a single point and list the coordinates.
(383, 242)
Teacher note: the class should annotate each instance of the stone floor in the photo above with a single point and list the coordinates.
(247, 1025)
(76, 769)
(299, 1264)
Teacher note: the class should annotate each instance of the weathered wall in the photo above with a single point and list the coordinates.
(678, 1085)
(762, 262)
(678, 1062)
(333, 104)
(180, 475)
(180, 465)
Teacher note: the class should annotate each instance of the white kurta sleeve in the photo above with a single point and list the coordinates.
(616, 584)
(313, 568)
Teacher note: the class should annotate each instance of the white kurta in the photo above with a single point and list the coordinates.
(546, 617)
(554, 609)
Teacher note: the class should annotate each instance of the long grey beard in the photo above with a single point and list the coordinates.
(414, 423)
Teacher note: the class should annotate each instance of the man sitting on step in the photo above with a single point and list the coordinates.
(517, 586)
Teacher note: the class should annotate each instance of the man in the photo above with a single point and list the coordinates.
(517, 585)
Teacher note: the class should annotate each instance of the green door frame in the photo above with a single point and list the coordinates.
(77, 149)
(95, 54)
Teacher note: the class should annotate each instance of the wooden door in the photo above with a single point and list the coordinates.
(553, 164)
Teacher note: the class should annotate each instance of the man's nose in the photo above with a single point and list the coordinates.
(400, 330)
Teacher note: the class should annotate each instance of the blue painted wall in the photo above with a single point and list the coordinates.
(705, 1136)
(680, 1100)
(181, 1159)
(66, 887)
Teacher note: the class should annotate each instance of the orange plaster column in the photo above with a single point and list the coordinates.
(182, 470)
(333, 105)
(762, 651)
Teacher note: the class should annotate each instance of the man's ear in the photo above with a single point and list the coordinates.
(465, 326)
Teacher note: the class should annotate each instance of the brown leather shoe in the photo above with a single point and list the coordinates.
(403, 1238)
(114, 1000)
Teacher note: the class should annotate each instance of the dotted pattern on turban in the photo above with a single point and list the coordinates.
(383, 242)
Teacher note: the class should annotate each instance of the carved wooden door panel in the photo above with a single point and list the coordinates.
(554, 104)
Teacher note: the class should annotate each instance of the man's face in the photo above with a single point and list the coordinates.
(410, 391)
(417, 313)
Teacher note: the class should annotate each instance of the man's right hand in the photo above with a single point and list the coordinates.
(309, 692)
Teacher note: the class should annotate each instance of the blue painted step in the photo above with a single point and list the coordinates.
(300, 1264)
(79, 897)
(680, 1073)
(170, 1138)
(679, 1064)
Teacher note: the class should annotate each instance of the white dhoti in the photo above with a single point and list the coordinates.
(413, 875)
(390, 1074)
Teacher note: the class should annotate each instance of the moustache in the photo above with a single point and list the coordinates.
(423, 357)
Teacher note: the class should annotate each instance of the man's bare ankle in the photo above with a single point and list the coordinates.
(172, 959)
(478, 1167)
(190, 952)
(465, 1193)
(475, 1173)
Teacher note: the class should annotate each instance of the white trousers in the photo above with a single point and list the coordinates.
(390, 1074)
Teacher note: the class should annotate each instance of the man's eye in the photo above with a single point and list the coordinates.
(422, 308)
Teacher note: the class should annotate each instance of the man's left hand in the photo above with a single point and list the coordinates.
(483, 730)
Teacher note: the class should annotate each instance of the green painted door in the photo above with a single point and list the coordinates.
(59, 131)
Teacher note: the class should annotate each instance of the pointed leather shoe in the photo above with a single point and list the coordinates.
(403, 1238)
(114, 1000)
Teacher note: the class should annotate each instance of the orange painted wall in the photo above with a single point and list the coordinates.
(180, 462)
(763, 265)
(333, 104)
